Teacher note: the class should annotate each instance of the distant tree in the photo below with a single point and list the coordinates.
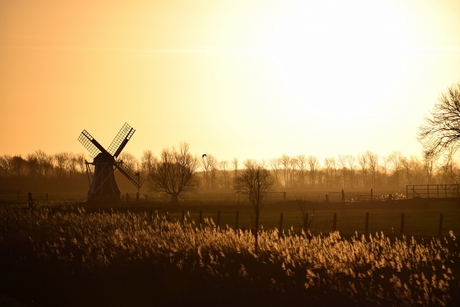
(275, 166)
(223, 167)
(147, 162)
(175, 172)
(441, 131)
(363, 163)
(301, 163)
(254, 182)
(373, 163)
(313, 164)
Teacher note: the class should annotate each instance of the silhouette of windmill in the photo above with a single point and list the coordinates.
(102, 183)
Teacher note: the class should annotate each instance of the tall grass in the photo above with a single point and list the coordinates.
(173, 261)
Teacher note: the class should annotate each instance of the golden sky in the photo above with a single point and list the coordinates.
(245, 79)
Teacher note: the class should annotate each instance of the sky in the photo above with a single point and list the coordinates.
(232, 78)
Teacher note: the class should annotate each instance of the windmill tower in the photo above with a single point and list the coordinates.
(102, 182)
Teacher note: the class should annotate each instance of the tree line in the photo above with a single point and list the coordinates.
(366, 170)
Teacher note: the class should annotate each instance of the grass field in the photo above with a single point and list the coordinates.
(63, 255)
(421, 218)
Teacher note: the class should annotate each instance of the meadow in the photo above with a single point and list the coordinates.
(75, 255)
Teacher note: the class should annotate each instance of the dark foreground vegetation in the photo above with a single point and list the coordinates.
(71, 257)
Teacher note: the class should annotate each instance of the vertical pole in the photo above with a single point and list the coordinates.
(237, 217)
(218, 219)
(30, 200)
(305, 223)
(366, 231)
(402, 223)
(441, 217)
(372, 194)
(281, 223)
(334, 224)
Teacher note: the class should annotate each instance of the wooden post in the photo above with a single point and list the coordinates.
(30, 201)
(334, 224)
(237, 216)
(281, 223)
(305, 223)
(218, 219)
(402, 223)
(366, 231)
(372, 194)
(327, 198)
(441, 217)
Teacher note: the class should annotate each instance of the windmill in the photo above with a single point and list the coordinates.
(102, 182)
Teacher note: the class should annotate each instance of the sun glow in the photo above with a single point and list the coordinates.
(340, 54)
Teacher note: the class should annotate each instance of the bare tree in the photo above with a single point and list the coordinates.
(363, 163)
(330, 170)
(223, 167)
(373, 162)
(147, 162)
(301, 162)
(254, 182)
(313, 164)
(441, 130)
(175, 172)
(235, 165)
(275, 166)
(286, 163)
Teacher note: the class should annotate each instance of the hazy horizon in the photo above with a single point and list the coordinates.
(251, 80)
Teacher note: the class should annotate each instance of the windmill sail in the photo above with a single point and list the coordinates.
(90, 143)
(130, 174)
(120, 140)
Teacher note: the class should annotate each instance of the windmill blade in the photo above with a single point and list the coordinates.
(90, 143)
(130, 174)
(120, 140)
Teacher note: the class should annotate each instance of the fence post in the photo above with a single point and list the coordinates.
(372, 194)
(281, 223)
(366, 231)
(218, 219)
(237, 216)
(402, 223)
(30, 201)
(305, 223)
(441, 217)
(334, 224)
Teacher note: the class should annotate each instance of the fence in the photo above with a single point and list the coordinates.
(390, 223)
(432, 191)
